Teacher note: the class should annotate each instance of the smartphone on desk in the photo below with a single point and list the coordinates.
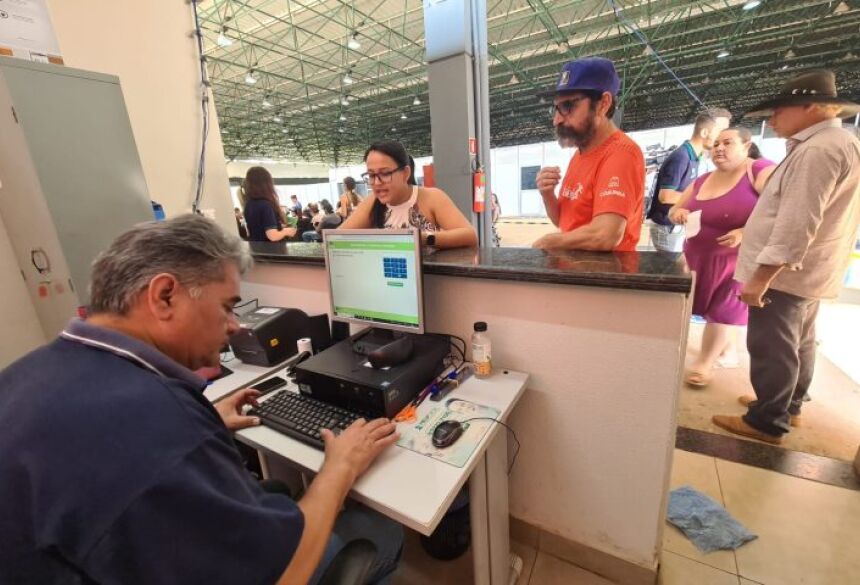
(269, 385)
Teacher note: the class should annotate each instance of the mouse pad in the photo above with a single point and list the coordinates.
(418, 437)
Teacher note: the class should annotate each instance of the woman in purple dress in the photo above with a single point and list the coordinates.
(724, 199)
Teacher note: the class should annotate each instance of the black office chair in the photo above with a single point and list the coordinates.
(352, 565)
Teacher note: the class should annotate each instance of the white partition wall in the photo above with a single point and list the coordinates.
(597, 424)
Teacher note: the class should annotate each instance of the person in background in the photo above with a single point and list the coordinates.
(316, 215)
(397, 202)
(304, 225)
(796, 248)
(496, 214)
(724, 199)
(328, 220)
(240, 223)
(599, 206)
(349, 200)
(263, 214)
(677, 171)
(113, 408)
(295, 205)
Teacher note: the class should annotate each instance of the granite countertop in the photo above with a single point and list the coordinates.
(655, 271)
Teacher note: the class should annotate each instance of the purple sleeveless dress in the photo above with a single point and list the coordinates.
(716, 295)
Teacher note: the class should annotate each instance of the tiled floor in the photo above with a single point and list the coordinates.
(808, 534)
(830, 428)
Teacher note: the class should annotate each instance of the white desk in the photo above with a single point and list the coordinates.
(416, 490)
(243, 376)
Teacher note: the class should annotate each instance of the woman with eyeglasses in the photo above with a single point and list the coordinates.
(398, 202)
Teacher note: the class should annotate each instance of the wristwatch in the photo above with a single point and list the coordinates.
(431, 239)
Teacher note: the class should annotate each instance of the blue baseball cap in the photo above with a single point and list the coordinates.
(588, 74)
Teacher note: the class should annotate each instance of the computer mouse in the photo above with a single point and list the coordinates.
(446, 433)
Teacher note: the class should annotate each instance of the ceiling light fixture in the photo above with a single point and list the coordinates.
(752, 4)
(223, 39)
(416, 101)
(790, 54)
(353, 43)
(563, 47)
(347, 79)
(344, 101)
(277, 119)
(267, 103)
(342, 118)
(403, 116)
(514, 78)
(249, 78)
(841, 8)
(723, 54)
(284, 130)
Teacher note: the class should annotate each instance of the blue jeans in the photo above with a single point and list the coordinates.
(357, 522)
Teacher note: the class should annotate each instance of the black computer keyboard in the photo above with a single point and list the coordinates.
(302, 418)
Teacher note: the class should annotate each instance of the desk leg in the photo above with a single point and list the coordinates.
(264, 463)
(488, 504)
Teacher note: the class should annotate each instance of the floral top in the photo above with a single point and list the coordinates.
(407, 214)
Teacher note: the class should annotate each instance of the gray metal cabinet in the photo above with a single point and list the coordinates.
(70, 178)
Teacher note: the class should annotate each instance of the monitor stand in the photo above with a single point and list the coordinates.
(373, 338)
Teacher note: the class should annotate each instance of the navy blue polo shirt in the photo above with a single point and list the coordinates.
(116, 469)
(677, 171)
(259, 217)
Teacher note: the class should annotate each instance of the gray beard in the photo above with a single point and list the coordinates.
(568, 137)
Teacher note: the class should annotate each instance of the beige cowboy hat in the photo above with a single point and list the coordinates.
(814, 87)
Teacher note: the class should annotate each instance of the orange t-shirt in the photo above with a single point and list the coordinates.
(609, 179)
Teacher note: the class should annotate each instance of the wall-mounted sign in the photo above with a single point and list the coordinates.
(26, 31)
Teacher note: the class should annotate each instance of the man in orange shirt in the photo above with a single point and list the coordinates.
(599, 205)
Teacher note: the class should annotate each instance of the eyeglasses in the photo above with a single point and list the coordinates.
(381, 176)
(566, 107)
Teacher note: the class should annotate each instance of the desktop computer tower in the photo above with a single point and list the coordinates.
(342, 377)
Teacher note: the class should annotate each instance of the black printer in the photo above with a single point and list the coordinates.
(268, 335)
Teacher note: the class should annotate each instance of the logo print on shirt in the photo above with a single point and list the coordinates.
(613, 188)
(573, 194)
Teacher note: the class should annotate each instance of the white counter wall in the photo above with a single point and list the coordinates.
(597, 424)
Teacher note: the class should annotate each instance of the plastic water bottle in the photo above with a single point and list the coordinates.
(481, 351)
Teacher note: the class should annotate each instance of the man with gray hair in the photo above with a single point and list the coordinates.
(116, 468)
(795, 249)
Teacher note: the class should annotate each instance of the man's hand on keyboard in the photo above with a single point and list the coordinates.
(359, 444)
(230, 409)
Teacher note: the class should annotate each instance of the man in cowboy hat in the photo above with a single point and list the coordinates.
(795, 249)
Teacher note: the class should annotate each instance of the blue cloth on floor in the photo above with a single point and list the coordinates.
(705, 522)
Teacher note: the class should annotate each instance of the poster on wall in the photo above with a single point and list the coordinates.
(26, 31)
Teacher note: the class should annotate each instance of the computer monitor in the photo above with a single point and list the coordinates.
(375, 278)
